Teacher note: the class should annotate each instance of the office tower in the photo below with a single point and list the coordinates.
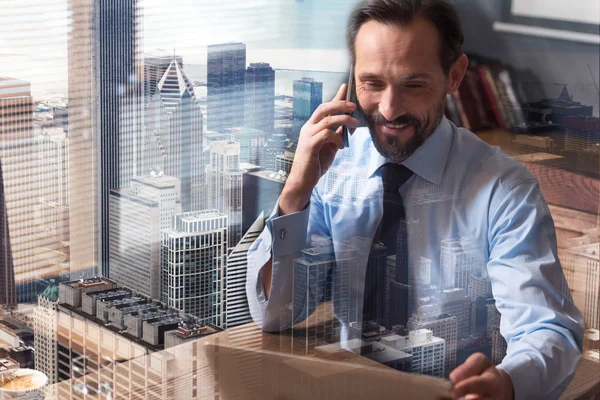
(308, 95)
(137, 216)
(346, 180)
(582, 265)
(276, 145)
(225, 186)
(121, 356)
(45, 333)
(283, 162)
(252, 142)
(427, 351)
(238, 312)
(443, 326)
(155, 66)
(479, 315)
(459, 259)
(259, 112)
(454, 302)
(375, 273)
(8, 291)
(225, 96)
(479, 286)
(52, 210)
(103, 77)
(194, 256)
(173, 137)
(499, 344)
(33, 253)
(261, 191)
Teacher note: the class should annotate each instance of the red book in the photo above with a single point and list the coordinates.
(489, 88)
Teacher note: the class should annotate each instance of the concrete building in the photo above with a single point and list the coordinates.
(225, 189)
(45, 333)
(284, 162)
(138, 215)
(459, 259)
(238, 312)
(427, 351)
(454, 302)
(194, 257)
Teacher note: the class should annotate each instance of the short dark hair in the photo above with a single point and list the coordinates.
(441, 13)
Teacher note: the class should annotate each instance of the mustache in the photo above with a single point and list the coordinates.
(377, 118)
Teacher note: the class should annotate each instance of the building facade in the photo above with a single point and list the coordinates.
(259, 107)
(308, 95)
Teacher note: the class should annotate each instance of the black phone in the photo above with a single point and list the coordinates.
(350, 96)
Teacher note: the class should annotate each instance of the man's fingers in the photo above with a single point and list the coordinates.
(483, 385)
(475, 365)
(341, 93)
(329, 136)
(335, 121)
(332, 108)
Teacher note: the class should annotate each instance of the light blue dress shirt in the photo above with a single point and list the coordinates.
(470, 209)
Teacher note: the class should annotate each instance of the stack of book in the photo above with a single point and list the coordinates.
(487, 98)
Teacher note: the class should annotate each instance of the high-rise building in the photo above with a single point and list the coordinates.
(454, 302)
(238, 311)
(137, 216)
(308, 95)
(104, 91)
(225, 186)
(155, 66)
(8, 291)
(427, 351)
(261, 191)
(33, 253)
(283, 162)
(52, 210)
(479, 286)
(194, 256)
(459, 259)
(225, 96)
(173, 141)
(499, 344)
(45, 333)
(583, 264)
(252, 142)
(443, 326)
(276, 145)
(259, 105)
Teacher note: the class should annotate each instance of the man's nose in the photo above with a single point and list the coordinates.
(391, 104)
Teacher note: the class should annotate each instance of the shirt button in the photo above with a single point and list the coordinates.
(282, 234)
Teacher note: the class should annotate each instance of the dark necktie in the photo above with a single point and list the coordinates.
(390, 239)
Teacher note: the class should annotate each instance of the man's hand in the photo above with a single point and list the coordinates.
(478, 378)
(317, 145)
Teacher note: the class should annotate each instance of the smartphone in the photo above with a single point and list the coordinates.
(350, 96)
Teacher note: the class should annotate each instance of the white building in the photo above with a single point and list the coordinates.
(137, 217)
(194, 256)
(238, 312)
(225, 186)
(454, 302)
(459, 259)
(284, 162)
(45, 333)
(427, 351)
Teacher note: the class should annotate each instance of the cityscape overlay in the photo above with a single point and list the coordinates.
(127, 211)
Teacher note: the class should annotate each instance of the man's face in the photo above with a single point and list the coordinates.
(400, 84)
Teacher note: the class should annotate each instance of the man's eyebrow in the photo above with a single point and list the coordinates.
(371, 76)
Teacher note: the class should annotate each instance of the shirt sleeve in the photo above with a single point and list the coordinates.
(542, 327)
(282, 240)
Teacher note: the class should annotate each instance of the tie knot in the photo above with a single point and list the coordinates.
(394, 176)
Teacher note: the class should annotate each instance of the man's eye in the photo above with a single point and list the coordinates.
(373, 85)
(414, 85)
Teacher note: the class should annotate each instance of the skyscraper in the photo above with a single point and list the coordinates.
(155, 66)
(225, 186)
(261, 191)
(583, 263)
(238, 312)
(454, 302)
(194, 255)
(45, 333)
(8, 291)
(276, 145)
(104, 80)
(225, 96)
(173, 137)
(32, 252)
(252, 142)
(259, 105)
(308, 95)
(137, 216)
(459, 259)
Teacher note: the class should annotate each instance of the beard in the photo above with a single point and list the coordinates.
(390, 146)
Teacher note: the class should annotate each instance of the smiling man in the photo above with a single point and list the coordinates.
(422, 194)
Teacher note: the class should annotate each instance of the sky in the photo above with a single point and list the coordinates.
(292, 34)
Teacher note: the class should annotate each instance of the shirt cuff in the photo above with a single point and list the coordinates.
(288, 232)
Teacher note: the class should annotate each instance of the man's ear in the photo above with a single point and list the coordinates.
(457, 73)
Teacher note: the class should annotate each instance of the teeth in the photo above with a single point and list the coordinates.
(395, 126)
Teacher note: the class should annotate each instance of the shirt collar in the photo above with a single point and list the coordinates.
(428, 161)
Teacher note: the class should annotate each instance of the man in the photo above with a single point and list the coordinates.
(465, 208)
